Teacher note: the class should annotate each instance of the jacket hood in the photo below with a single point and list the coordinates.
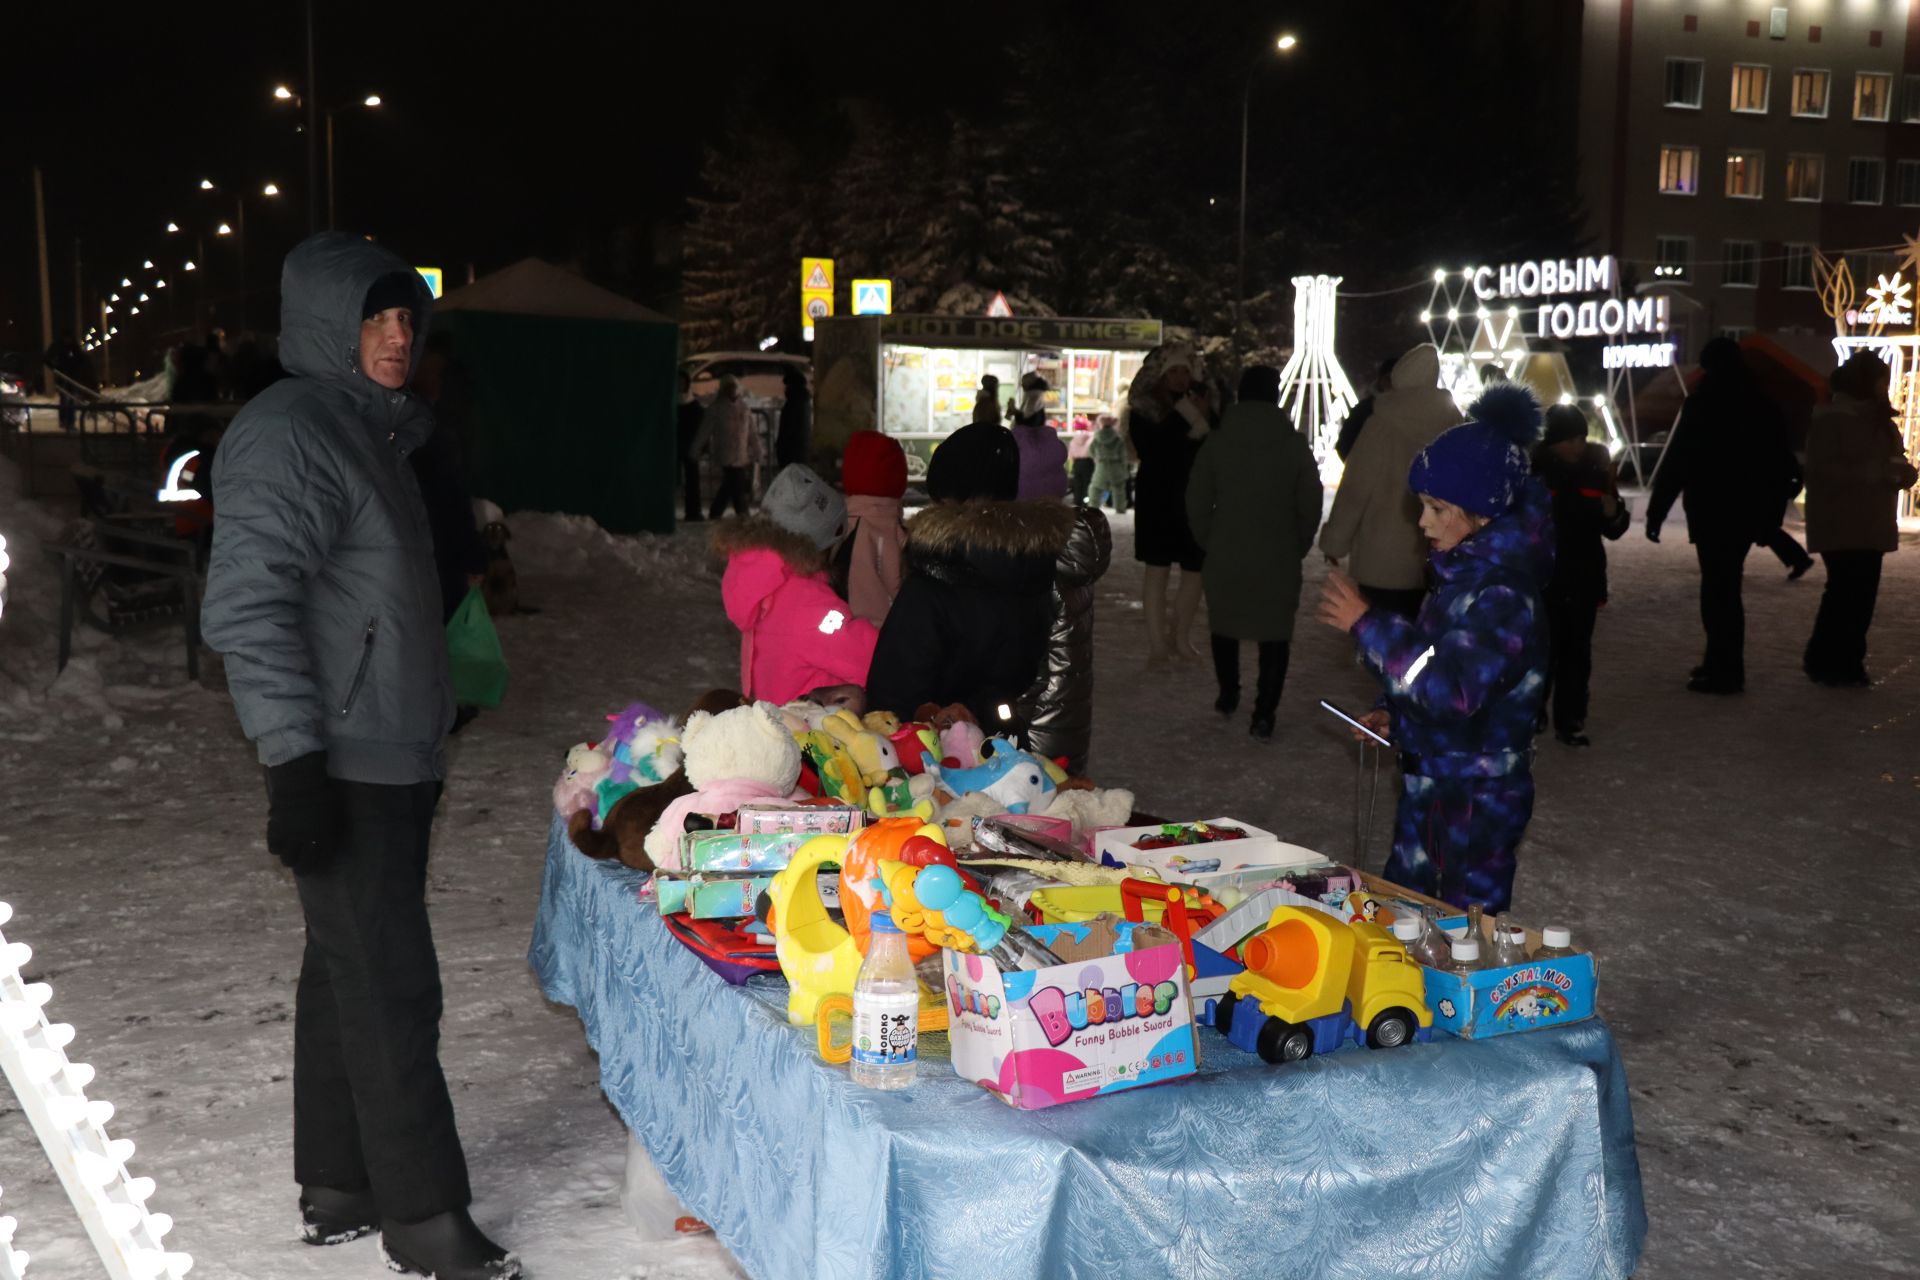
(761, 558)
(1418, 370)
(323, 290)
(1002, 546)
(1517, 545)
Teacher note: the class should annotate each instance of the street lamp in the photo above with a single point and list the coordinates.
(206, 184)
(370, 102)
(1285, 44)
(172, 227)
(270, 190)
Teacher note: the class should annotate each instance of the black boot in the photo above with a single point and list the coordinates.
(1273, 678)
(1226, 671)
(446, 1246)
(331, 1216)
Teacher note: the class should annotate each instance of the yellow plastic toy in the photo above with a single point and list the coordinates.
(817, 956)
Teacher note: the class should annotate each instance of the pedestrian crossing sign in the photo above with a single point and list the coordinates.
(873, 297)
(816, 275)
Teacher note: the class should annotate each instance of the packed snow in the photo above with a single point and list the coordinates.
(1742, 867)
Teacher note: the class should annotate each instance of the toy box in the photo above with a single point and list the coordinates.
(1096, 1023)
(738, 851)
(1215, 862)
(710, 897)
(809, 819)
(1515, 997)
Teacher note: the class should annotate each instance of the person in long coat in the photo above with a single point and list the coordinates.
(1253, 502)
(1059, 707)
(1167, 421)
(1856, 468)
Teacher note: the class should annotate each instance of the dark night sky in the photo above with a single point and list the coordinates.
(507, 129)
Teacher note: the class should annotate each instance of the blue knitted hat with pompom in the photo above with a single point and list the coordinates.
(1480, 465)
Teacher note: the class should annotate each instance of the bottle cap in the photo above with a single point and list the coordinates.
(1406, 928)
(881, 922)
(1556, 935)
(1466, 949)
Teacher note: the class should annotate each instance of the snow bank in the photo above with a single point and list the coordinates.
(574, 546)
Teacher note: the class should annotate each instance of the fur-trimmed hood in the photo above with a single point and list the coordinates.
(1000, 546)
(761, 558)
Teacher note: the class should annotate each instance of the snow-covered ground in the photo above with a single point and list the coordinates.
(1743, 867)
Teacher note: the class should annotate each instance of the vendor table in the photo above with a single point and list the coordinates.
(1507, 1157)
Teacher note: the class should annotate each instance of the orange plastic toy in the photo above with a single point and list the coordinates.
(890, 840)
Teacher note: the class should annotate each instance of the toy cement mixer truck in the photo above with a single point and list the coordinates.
(1313, 981)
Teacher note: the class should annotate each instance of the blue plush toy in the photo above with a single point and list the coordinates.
(1015, 779)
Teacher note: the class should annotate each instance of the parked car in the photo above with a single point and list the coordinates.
(762, 374)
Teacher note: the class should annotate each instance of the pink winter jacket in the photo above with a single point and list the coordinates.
(795, 633)
(874, 568)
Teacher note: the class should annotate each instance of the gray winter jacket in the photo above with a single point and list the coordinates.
(1059, 707)
(321, 590)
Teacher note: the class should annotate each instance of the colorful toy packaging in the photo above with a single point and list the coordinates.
(1501, 1000)
(1098, 1022)
(1207, 852)
(809, 819)
(767, 851)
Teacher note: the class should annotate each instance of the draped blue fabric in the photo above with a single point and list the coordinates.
(1507, 1157)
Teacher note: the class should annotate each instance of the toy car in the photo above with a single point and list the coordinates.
(1313, 982)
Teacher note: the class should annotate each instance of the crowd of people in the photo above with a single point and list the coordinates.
(1468, 569)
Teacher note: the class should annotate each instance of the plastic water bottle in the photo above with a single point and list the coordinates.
(886, 1010)
(1509, 944)
(1556, 941)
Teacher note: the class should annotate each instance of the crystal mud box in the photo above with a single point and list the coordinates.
(1100, 1021)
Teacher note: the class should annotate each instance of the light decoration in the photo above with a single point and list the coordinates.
(51, 1090)
(4, 563)
(1889, 303)
(171, 491)
(1313, 387)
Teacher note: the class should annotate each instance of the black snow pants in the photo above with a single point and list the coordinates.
(1722, 614)
(1570, 619)
(1837, 650)
(1273, 671)
(370, 1105)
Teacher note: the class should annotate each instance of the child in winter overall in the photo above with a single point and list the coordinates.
(1587, 510)
(1465, 679)
(1109, 453)
(867, 563)
(796, 635)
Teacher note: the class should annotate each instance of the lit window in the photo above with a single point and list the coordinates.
(1797, 270)
(1673, 257)
(1740, 265)
(1750, 87)
(1910, 99)
(1872, 95)
(1680, 170)
(1746, 174)
(1806, 175)
(1906, 182)
(1684, 77)
(1866, 178)
(1810, 93)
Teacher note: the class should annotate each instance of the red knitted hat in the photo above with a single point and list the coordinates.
(875, 466)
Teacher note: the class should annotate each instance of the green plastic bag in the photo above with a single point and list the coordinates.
(478, 667)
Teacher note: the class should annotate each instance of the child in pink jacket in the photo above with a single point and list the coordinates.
(796, 635)
(868, 559)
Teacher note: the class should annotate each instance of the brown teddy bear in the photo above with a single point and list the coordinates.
(623, 834)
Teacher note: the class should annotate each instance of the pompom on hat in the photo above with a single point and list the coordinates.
(1480, 465)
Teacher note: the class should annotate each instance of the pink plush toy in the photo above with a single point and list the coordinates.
(574, 791)
(960, 743)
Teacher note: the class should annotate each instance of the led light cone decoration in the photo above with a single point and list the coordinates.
(71, 1127)
(1313, 386)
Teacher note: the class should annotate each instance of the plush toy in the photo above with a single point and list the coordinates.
(1015, 778)
(733, 758)
(872, 754)
(1089, 808)
(587, 764)
(962, 745)
(834, 765)
(625, 825)
(901, 796)
(803, 715)
(884, 723)
(955, 818)
(910, 742)
(627, 761)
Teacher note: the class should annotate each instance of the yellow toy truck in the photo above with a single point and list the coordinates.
(1313, 982)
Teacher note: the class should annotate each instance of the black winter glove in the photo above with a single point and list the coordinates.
(303, 813)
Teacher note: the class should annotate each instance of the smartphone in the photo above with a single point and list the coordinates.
(1385, 742)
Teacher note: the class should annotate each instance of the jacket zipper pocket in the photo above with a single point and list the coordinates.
(360, 672)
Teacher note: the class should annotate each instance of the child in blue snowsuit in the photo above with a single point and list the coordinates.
(1466, 679)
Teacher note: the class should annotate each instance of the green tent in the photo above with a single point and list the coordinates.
(566, 396)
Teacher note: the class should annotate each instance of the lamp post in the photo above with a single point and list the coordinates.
(372, 101)
(1285, 44)
(238, 230)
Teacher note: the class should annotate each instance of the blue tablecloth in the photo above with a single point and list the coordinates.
(1509, 1157)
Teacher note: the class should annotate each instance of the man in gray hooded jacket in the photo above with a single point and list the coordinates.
(322, 594)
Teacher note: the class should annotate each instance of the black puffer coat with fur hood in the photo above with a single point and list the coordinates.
(971, 622)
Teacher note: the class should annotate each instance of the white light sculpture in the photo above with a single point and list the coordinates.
(70, 1126)
(172, 492)
(1313, 387)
